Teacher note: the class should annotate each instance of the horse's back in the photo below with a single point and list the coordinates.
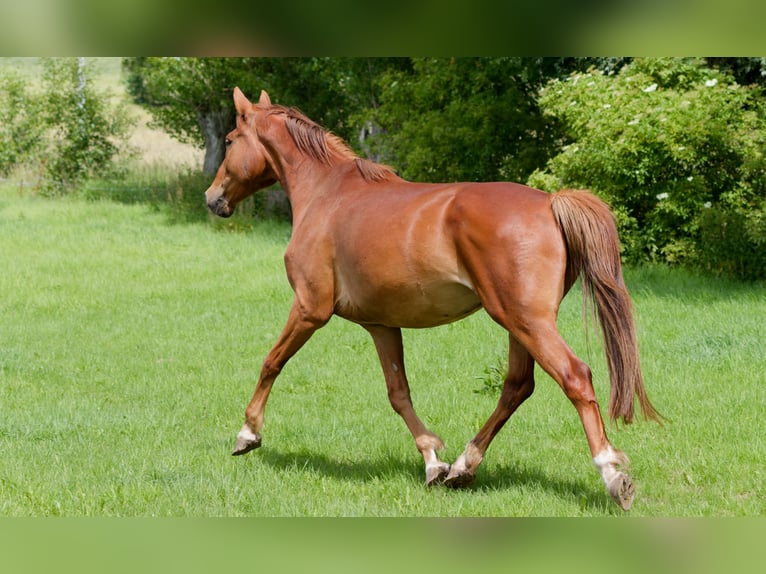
(502, 204)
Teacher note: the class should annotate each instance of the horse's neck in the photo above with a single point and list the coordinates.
(306, 181)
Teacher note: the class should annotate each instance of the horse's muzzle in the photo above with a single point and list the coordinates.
(220, 207)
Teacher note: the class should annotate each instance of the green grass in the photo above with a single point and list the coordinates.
(129, 348)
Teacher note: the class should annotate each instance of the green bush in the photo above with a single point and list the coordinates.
(62, 130)
(20, 126)
(664, 141)
(462, 119)
(86, 129)
(733, 243)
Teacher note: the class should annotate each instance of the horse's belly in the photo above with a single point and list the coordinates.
(411, 306)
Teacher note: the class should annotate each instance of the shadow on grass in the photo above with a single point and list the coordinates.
(357, 470)
(590, 495)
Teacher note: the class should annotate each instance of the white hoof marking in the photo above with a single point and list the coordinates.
(247, 435)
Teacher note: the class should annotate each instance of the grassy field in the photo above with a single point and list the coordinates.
(130, 346)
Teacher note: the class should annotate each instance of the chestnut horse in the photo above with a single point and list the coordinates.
(389, 254)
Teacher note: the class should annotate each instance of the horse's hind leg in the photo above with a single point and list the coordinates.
(518, 386)
(574, 377)
(388, 342)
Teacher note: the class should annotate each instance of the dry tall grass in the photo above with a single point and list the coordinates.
(155, 147)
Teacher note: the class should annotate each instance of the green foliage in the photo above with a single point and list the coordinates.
(493, 379)
(191, 98)
(183, 202)
(63, 129)
(178, 91)
(135, 83)
(86, 130)
(20, 126)
(662, 140)
(746, 71)
(488, 101)
(733, 242)
(177, 192)
(464, 119)
(337, 93)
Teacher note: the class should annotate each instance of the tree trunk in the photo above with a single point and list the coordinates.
(215, 124)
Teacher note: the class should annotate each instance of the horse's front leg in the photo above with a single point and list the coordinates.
(388, 342)
(298, 329)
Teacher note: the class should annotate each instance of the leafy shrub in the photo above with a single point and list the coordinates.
(20, 126)
(733, 242)
(86, 129)
(462, 119)
(184, 201)
(663, 141)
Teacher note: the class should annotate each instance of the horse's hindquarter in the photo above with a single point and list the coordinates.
(512, 247)
(400, 251)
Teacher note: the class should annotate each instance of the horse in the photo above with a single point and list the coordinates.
(389, 254)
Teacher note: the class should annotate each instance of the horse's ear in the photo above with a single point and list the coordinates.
(265, 99)
(242, 104)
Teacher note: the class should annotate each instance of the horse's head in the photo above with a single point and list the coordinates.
(245, 168)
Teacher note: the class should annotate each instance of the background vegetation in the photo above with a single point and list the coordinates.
(677, 149)
(61, 126)
(675, 145)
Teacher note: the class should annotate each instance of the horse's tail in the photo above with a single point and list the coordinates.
(594, 255)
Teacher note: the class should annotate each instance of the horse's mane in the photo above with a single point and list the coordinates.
(320, 144)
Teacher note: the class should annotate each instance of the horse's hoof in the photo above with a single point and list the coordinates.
(435, 475)
(622, 491)
(246, 441)
(456, 479)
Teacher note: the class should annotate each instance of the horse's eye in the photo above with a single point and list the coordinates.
(228, 142)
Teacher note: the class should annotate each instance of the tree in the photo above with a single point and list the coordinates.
(474, 119)
(746, 71)
(21, 130)
(437, 118)
(86, 130)
(191, 98)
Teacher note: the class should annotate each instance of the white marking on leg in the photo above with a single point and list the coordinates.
(428, 444)
(247, 434)
(607, 462)
(429, 456)
(436, 470)
(469, 460)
